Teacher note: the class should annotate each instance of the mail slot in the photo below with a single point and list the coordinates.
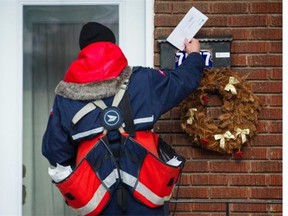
(214, 50)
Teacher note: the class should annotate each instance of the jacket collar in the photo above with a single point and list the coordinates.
(93, 90)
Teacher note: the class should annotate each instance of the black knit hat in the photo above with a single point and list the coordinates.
(95, 32)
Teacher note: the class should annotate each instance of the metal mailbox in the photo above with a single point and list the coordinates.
(214, 50)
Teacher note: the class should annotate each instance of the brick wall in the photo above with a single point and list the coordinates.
(256, 27)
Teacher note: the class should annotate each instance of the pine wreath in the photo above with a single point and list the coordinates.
(239, 112)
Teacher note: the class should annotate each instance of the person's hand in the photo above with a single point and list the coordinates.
(191, 46)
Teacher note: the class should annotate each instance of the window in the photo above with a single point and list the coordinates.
(50, 44)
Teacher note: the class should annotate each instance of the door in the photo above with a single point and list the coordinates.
(50, 44)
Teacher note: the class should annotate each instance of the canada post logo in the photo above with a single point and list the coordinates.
(112, 118)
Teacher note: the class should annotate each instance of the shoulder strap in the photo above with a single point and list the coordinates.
(121, 96)
(125, 106)
(100, 104)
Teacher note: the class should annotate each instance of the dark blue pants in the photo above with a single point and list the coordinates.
(133, 208)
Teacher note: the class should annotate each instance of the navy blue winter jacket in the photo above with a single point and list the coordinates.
(152, 92)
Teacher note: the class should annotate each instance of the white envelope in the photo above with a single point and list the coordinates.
(187, 28)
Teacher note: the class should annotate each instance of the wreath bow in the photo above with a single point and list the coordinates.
(222, 137)
(234, 126)
(230, 86)
(243, 133)
(191, 115)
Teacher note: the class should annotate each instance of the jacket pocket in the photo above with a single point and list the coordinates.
(89, 187)
(155, 179)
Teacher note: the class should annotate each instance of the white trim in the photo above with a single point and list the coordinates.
(131, 181)
(11, 60)
(101, 129)
(111, 178)
(149, 22)
(11, 113)
(144, 120)
(94, 202)
(88, 133)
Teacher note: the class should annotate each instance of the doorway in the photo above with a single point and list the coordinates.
(50, 44)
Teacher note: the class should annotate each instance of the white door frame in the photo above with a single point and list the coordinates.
(11, 87)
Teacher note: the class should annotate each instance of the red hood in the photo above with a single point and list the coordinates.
(97, 62)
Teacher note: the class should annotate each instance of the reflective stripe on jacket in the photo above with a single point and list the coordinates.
(90, 186)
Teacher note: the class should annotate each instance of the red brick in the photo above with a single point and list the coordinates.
(267, 140)
(273, 208)
(255, 153)
(266, 7)
(269, 127)
(179, 139)
(211, 207)
(240, 33)
(166, 115)
(194, 192)
(267, 87)
(265, 60)
(266, 193)
(235, 33)
(185, 179)
(200, 5)
(254, 73)
(248, 180)
(156, 60)
(248, 21)
(271, 114)
(201, 153)
(275, 100)
(161, 7)
(228, 166)
(165, 20)
(250, 47)
(266, 167)
(276, 74)
(229, 8)
(196, 166)
(183, 151)
(256, 28)
(163, 126)
(162, 32)
(204, 179)
(275, 21)
(197, 209)
(166, 138)
(250, 208)
(217, 20)
(262, 126)
(275, 47)
(176, 113)
(275, 127)
(275, 153)
(266, 34)
(263, 99)
(238, 60)
(229, 192)
(275, 180)
(214, 100)
(181, 207)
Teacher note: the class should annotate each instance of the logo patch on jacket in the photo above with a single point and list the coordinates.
(111, 118)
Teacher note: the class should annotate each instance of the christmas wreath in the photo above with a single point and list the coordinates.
(236, 123)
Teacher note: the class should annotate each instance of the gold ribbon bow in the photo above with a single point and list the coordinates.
(222, 137)
(230, 86)
(191, 115)
(243, 133)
